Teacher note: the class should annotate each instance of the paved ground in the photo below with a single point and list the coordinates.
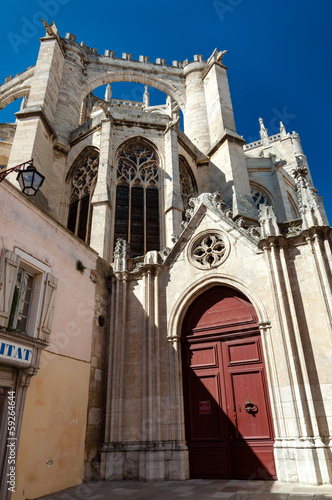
(194, 489)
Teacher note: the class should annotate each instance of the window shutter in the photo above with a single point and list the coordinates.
(48, 307)
(9, 263)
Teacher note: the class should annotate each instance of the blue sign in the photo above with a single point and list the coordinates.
(15, 353)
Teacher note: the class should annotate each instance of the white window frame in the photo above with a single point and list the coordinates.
(39, 271)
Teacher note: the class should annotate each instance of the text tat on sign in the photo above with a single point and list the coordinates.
(205, 407)
(15, 354)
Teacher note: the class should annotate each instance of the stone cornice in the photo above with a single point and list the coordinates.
(210, 65)
(56, 37)
(85, 134)
(22, 338)
(301, 238)
(228, 135)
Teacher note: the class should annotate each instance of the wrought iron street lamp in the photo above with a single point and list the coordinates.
(28, 178)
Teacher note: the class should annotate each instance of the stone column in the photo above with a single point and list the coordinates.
(283, 206)
(151, 464)
(228, 169)
(173, 200)
(195, 116)
(322, 270)
(113, 458)
(320, 471)
(110, 354)
(101, 227)
(232, 178)
(177, 419)
(298, 450)
(218, 101)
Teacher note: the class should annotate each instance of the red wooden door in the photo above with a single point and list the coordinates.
(228, 420)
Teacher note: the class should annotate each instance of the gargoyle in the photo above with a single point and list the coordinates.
(172, 124)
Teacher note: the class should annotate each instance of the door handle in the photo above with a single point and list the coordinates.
(250, 406)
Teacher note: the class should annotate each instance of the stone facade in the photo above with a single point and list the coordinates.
(173, 214)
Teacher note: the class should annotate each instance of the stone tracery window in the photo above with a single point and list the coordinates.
(137, 197)
(187, 184)
(260, 197)
(209, 251)
(82, 187)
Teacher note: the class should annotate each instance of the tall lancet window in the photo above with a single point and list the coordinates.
(187, 184)
(83, 182)
(137, 197)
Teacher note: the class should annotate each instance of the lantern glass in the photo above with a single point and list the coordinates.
(30, 180)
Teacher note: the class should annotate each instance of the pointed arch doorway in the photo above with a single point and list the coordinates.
(229, 429)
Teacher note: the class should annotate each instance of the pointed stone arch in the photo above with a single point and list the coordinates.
(82, 178)
(17, 87)
(174, 89)
(188, 183)
(197, 287)
(224, 379)
(261, 195)
(137, 207)
(193, 290)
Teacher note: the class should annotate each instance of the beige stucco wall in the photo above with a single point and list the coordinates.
(51, 448)
(50, 454)
(25, 226)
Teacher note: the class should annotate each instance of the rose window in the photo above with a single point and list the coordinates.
(209, 251)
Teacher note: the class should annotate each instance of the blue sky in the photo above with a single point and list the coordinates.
(278, 55)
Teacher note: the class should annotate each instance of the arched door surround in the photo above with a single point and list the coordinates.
(229, 430)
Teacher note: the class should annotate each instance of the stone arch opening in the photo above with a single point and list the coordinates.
(176, 92)
(12, 96)
(198, 286)
(228, 420)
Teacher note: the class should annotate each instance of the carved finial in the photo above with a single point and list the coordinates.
(121, 247)
(49, 30)
(164, 253)
(221, 55)
(300, 172)
(121, 253)
(263, 132)
(108, 93)
(240, 222)
(216, 201)
(282, 129)
(217, 56)
(146, 97)
(255, 231)
(306, 193)
(268, 221)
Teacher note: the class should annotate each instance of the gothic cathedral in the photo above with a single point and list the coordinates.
(190, 333)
